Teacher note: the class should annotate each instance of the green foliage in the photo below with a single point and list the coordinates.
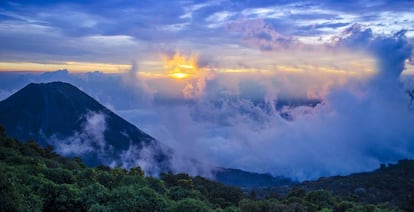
(136, 171)
(179, 193)
(85, 177)
(156, 184)
(33, 178)
(300, 193)
(93, 194)
(99, 208)
(136, 198)
(59, 175)
(247, 205)
(217, 193)
(321, 198)
(60, 197)
(10, 199)
(190, 205)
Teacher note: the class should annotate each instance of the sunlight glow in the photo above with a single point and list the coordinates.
(181, 67)
(69, 65)
(186, 66)
(179, 75)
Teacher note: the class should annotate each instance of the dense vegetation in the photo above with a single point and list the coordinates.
(393, 183)
(35, 179)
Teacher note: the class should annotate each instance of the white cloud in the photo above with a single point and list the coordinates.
(272, 12)
(89, 139)
(219, 19)
(142, 157)
(174, 27)
(109, 41)
(189, 10)
(259, 34)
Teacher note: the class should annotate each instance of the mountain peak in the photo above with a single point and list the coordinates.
(48, 84)
(61, 115)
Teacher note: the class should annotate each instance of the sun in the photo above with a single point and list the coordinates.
(179, 75)
(181, 66)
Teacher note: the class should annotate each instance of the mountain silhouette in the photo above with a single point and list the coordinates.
(61, 115)
(245, 179)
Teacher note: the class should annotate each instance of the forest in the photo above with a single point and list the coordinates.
(35, 178)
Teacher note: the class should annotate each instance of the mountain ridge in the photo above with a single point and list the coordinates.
(244, 179)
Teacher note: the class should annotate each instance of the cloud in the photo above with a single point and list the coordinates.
(144, 157)
(89, 139)
(390, 51)
(120, 32)
(23, 45)
(219, 18)
(258, 33)
(348, 132)
(90, 144)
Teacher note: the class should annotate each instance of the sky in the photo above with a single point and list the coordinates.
(205, 77)
(225, 35)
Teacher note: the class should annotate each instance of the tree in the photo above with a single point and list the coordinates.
(137, 171)
(93, 194)
(179, 193)
(190, 205)
(247, 205)
(135, 198)
(321, 198)
(60, 176)
(63, 197)
(10, 199)
(156, 184)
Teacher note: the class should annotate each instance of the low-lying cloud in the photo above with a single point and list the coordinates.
(144, 157)
(90, 141)
(90, 138)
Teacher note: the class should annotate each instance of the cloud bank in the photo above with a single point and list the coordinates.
(349, 131)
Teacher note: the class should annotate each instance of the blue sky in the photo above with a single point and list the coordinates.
(119, 32)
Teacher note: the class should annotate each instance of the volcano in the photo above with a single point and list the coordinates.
(61, 115)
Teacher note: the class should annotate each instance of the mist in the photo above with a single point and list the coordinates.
(232, 120)
(89, 139)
